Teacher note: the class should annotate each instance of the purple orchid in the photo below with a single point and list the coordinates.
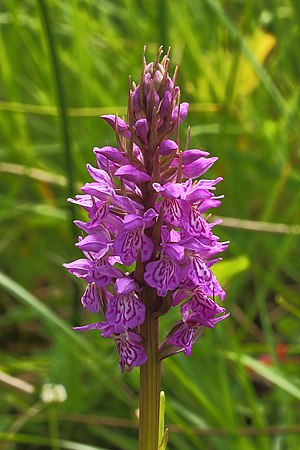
(145, 210)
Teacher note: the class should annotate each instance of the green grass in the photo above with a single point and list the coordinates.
(239, 69)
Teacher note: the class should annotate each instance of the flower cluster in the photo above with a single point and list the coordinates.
(146, 229)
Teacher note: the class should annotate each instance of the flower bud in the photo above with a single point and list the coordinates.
(149, 69)
(158, 77)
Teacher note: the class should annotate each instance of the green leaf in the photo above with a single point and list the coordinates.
(273, 375)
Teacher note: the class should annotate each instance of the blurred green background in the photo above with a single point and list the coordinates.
(63, 63)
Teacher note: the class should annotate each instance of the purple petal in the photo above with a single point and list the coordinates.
(79, 268)
(106, 165)
(198, 193)
(131, 173)
(189, 156)
(125, 311)
(97, 213)
(156, 98)
(181, 294)
(205, 308)
(99, 175)
(184, 108)
(101, 272)
(85, 201)
(100, 191)
(122, 126)
(125, 285)
(90, 298)
(149, 215)
(195, 224)
(200, 274)
(133, 221)
(93, 243)
(174, 251)
(127, 245)
(157, 79)
(171, 190)
(92, 326)
(87, 227)
(165, 106)
(183, 338)
(198, 167)
(208, 203)
(141, 129)
(210, 184)
(131, 350)
(113, 223)
(169, 236)
(164, 275)
(127, 204)
(173, 211)
(198, 271)
(166, 147)
(136, 99)
(111, 153)
(147, 77)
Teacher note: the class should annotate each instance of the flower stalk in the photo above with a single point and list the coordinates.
(149, 384)
(148, 244)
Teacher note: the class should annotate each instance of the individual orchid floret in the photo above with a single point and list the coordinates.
(129, 344)
(90, 298)
(132, 240)
(165, 274)
(204, 308)
(197, 313)
(198, 271)
(125, 310)
(131, 349)
(96, 268)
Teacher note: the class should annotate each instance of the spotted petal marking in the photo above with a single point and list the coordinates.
(97, 213)
(125, 311)
(183, 338)
(172, 211)
(101, 272)
(131, 350)
(205, 308)
(195, 224)
(200, 303)
(198, 271)
(90, 298)
(164, 275)
(202, 276)
(128, 244)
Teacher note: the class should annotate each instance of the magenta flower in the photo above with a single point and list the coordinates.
(148, 244)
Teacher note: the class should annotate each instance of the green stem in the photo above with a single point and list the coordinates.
(149, 381)
(53, 428)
